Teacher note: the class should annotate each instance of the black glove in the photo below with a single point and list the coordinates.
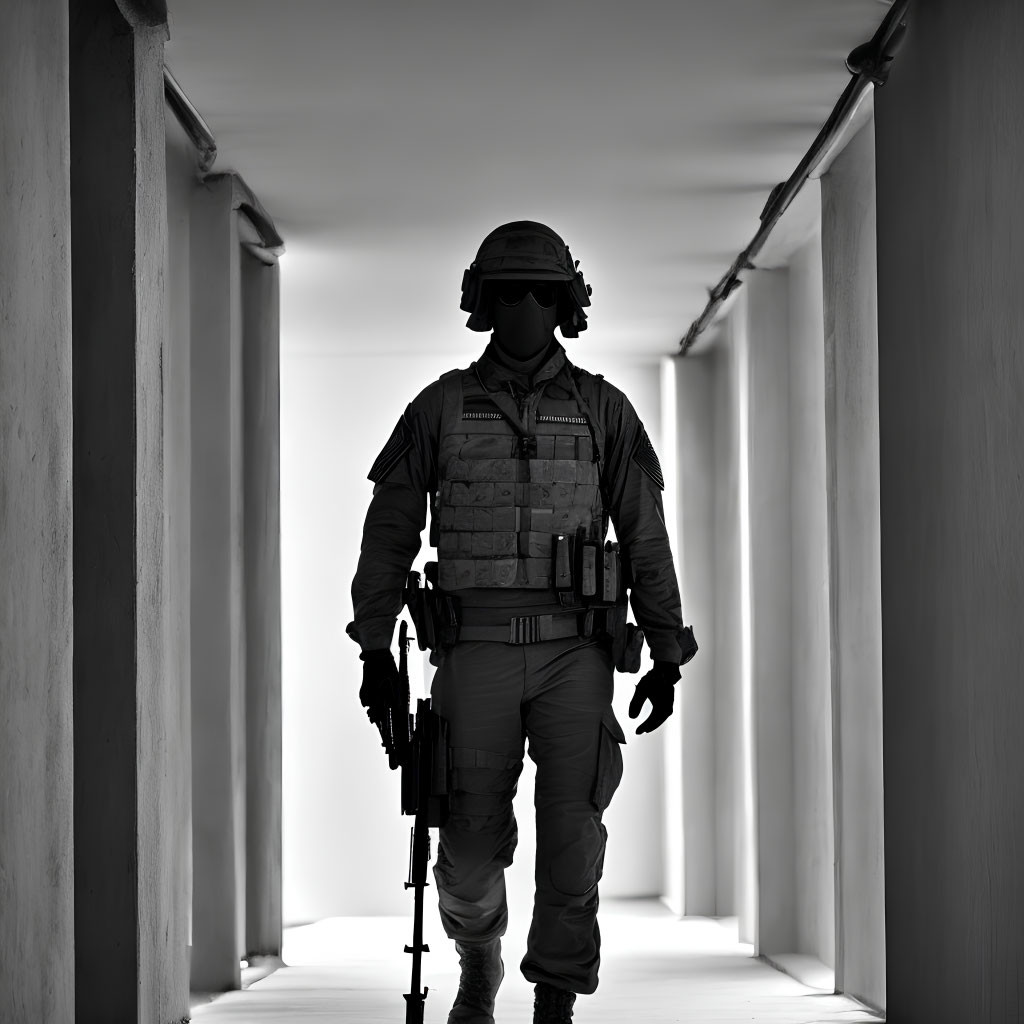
(657, 686)
(380, 678)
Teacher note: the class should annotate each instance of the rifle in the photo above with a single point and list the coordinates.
(420, 743)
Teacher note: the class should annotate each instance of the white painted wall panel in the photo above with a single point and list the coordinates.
(767, 466)
(950, 146)
(810, 621)
(851, 364)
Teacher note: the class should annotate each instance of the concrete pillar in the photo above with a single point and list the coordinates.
(130, 950)
(182, 183)
(236, 586)
(729, 640)
(949, 147)
(218, 599)
(261, 379)
(764, 469)
(694, 480)
(814, 847)
(36, 794)
(851, 432)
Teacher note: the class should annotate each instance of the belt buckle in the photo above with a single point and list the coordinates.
(515, 629)
(523, 629)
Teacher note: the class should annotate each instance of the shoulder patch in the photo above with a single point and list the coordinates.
(391, 454)
(646, 458)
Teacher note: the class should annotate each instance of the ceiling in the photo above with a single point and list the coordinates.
(387, 138)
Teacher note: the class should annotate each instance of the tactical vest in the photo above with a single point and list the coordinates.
(503, 497)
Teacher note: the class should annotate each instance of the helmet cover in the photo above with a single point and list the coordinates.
(525, 250)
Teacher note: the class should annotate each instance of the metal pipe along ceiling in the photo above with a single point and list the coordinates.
(869, 63)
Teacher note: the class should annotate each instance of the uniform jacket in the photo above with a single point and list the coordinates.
(406, 479)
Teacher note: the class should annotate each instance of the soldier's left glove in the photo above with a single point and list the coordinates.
(658, 686)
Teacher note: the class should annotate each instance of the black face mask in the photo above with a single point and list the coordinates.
(524, 314)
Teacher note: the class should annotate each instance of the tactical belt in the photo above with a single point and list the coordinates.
(533, 629)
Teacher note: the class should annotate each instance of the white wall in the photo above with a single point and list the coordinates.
(950, 145)
(345, 842)
(730, 635)
(751, 437)
(634, 863)
(765, 513)
(851, 346)
(810, 619)
(692, 869)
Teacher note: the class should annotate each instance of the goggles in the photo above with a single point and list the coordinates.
(511, 293)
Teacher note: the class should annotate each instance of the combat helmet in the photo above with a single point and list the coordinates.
(525, 250)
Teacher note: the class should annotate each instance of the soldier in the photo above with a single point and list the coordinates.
(522, 459)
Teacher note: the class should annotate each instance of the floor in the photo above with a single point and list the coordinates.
(655, 968)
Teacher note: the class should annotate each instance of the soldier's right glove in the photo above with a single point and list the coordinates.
(380, 680)
(657, 686)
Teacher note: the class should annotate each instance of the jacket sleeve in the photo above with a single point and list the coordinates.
(633, 484)
(404, 477)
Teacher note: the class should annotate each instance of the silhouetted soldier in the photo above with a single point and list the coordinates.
(523, 458)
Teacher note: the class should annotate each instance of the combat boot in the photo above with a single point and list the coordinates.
(482, 971)
(552, 1005)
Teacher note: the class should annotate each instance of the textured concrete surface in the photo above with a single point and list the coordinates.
(851, 425)
(262, 484)
(218, 600)
(162, 774)
(181, 186)
(655, 968)
(130, 939)
(36, 796)
(105, 337)
(949, 145)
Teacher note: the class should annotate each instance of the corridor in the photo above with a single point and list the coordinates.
(620, 323)
(655, 969)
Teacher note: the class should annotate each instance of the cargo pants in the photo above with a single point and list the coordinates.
(557, 697)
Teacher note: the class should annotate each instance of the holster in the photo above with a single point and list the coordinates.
(434, 614)
(427, 772)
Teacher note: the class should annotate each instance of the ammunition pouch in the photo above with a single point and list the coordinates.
(587, 572)
(627, 639)
(596, 577)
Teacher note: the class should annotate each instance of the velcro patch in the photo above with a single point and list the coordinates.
(646, 458)
(391, 454)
